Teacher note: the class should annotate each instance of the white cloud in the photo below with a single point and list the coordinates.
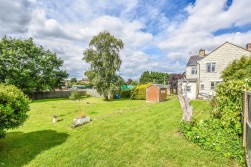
(69, 40)
(66, 27)
(205, 18)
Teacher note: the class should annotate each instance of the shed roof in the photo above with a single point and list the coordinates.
(160, 86)
(193, 60)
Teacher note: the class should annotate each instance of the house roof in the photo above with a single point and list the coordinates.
(230, 44)
(85, 79)
(158, 86)
(193, 60)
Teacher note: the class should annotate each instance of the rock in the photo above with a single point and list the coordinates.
(80, 121)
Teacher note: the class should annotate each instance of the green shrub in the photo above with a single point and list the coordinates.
(75, 95)
(126, 93)
(229, 103)
(223, 132)
(88, 95)
(211, 135)
(13, 108)
(139, 93)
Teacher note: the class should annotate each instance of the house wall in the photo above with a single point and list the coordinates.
(189, 72)
(194, 90)
(222, 56)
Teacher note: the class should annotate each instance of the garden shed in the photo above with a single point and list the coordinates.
(156, 93)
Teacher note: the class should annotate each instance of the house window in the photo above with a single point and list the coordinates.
(214, 84)
(210, 67)
(202, 87)
(162, 91)
(194, 70)
(188, 88)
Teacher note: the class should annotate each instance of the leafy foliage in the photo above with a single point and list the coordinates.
(229, 103)
(223, 131)
(29, 67)
(154, 77)
(75, 95)
(134, 83)
(212, 135)
(173, 81)
(13, 108)
(73, 80)
(238, 69)
(139, 93)
(126, 93)
(103, 56)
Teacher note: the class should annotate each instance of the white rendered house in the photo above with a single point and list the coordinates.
(203, 71)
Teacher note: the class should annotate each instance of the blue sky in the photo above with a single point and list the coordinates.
(159, 35)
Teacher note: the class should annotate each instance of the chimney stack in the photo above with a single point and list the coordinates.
(248, 46)
(203, 53)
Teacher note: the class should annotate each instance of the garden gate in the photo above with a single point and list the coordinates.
(246, 123)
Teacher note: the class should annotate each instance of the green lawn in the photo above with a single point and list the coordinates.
(122, 133)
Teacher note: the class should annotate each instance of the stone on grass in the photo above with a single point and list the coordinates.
(80, 121)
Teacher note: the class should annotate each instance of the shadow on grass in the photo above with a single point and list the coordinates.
(18, 148)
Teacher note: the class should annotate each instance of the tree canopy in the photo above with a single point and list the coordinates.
(238, 69)
(29, 67)
(173, 81)
(154, 77)
(104, 59)
(73, 80)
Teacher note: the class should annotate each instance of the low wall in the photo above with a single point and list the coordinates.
(54, 94)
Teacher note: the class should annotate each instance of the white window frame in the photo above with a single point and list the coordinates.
(194, 70)
(188, 89)
(215, 84)
(202, 88)
(211, 67)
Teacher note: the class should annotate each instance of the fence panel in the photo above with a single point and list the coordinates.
(53, 94)
(246, 124)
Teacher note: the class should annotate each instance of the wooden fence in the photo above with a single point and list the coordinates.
(53, 94)
(246, 123)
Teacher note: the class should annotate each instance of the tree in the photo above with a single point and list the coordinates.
(73, 80)
(135, 83)
(154, 77)
(145, 77)
(238, 69)
(13, 108)
(29, 67)
(103, 56)
(173, 81)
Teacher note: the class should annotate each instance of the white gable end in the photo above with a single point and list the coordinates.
(220, 58)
